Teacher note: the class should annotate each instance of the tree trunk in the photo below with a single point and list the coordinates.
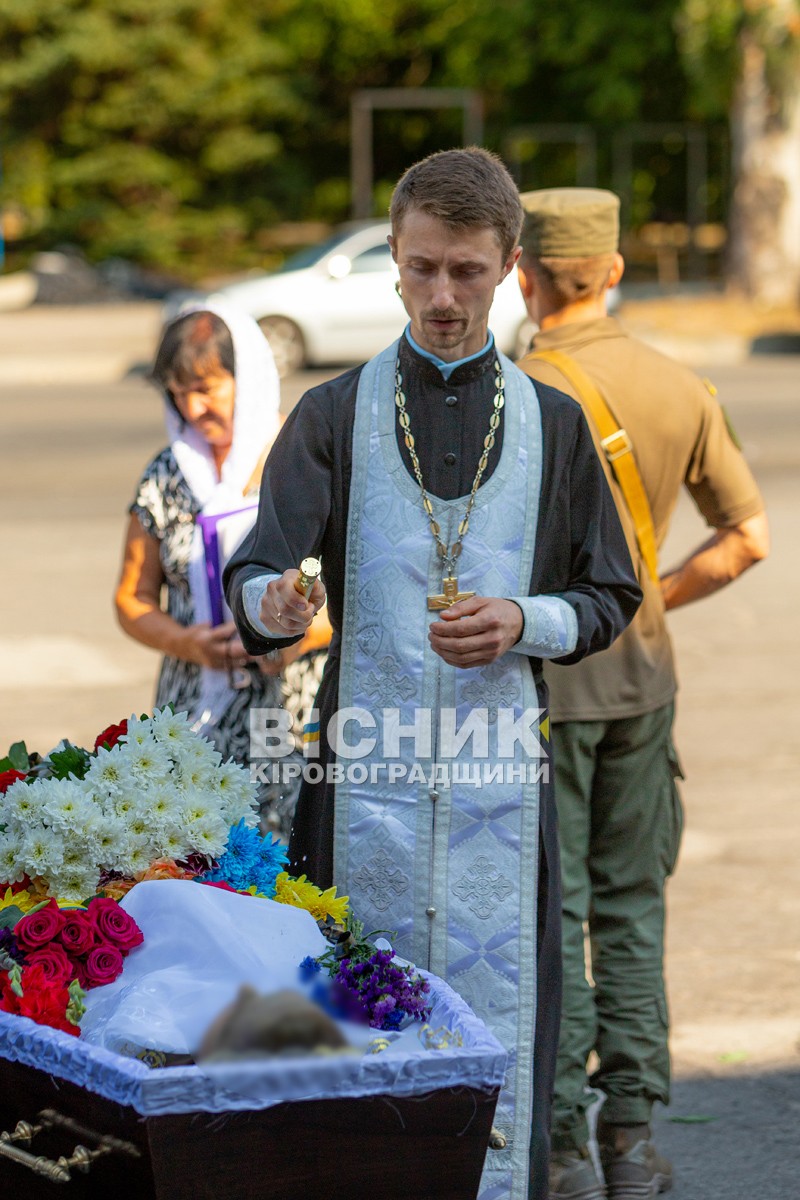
(764, 254)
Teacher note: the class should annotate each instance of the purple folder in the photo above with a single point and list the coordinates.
(222, 534)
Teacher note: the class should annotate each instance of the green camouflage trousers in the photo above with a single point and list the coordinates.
(620, 824)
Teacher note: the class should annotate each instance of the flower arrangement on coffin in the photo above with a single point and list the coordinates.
(152, 800)
(367, 983)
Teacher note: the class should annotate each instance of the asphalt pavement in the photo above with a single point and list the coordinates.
(79, 423)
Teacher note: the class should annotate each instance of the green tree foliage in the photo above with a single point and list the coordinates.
(173, 131)
(144, 127)
(744, 55)
(712, 35)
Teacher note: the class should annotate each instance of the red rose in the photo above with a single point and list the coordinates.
(9, 777)
(57, 967)
(114, 925)
(78, 933)
(9, 1001)
(44, 1003)
(36, 929)
(109, 737)
(102, 965)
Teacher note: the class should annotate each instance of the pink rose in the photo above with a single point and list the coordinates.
(57, 968)
(102, 965)
(78, 933)
(37, 929)
(114, 925)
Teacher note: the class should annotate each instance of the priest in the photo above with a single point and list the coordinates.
(466, 534)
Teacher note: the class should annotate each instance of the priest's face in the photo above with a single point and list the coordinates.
(447, 279)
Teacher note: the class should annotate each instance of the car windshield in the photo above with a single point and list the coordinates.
(311, 254)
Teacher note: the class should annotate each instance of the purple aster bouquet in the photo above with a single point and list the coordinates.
(367, 983)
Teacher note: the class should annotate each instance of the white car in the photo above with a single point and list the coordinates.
(336, 304)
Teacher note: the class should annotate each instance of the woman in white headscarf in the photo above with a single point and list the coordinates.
(221, 395)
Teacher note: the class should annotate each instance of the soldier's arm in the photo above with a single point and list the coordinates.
(720, 560)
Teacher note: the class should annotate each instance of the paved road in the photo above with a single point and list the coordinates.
(71, 453)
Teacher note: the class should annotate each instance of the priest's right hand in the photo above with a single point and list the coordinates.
(284, 611)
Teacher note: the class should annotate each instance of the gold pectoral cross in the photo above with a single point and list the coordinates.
(449, 596)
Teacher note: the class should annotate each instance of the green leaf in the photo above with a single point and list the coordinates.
(9, 916)
(15, 979)
(692, 1119)
(69, 761)
(18, 756)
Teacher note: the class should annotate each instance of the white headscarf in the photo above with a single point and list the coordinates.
(255, 424)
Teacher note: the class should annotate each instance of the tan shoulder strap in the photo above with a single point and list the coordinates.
(618, 450)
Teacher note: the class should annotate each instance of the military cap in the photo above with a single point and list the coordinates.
(570, 222)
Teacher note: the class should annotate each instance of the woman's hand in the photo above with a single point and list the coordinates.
(138, 600)
(215, 646)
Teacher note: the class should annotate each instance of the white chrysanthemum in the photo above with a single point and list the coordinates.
(197, 806)
(174, 843)
(109, 773)
(74, 852)
(208, 834)
(236, 793)
(42, 851)
(164, 802)
(22, 804)
(138, 858)
(138, 731)
(172, 730)
(126, 806)
(11, 868)
(65, 804)
(109, 842)
(201, 752)
(133, 855)
(74, 883)
(148, 760)
(194, 776)
(137, 826)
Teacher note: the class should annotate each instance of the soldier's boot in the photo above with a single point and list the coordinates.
(573, 1177)
(633, 1168)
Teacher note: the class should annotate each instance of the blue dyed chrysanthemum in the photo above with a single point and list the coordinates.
(249, 861)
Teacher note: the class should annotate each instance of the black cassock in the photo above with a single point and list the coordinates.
(581, 556)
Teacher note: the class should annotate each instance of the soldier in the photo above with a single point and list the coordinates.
(656, 427)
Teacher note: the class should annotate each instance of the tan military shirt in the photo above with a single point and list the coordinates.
(680, 436)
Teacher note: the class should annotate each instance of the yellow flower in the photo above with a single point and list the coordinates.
(302, 894)
(23, 900)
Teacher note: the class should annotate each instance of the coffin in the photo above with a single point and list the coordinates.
(382, 1125)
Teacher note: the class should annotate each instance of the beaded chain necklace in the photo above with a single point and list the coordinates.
(449, 554)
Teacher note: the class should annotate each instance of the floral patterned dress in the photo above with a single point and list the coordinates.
(167, 509)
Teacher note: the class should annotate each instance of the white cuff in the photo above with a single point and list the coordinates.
(550, 628)
(252, 595)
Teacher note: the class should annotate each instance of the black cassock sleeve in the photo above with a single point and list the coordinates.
(581, 552)
(303, 504)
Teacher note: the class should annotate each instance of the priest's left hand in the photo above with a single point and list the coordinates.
(475, 632)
